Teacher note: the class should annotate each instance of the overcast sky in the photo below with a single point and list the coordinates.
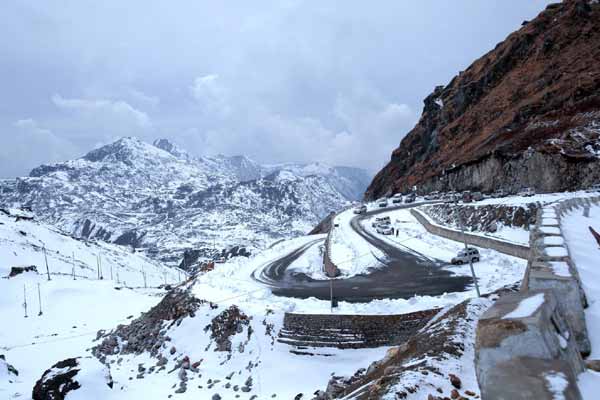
(334, 81)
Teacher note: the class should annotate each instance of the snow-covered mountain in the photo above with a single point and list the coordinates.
(159, 198)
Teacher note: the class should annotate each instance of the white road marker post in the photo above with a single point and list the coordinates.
(25, 300)
(39, 300)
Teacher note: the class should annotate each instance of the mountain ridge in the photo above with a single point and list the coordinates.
(162, 201)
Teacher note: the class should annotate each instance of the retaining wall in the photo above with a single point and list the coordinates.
(517, 351)
(351, 331)
(501, 246)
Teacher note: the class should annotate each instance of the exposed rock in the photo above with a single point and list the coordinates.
(525, 114)
(228, 323)
(60, 379)
(455, 381)
(14, 271)
(146, 333)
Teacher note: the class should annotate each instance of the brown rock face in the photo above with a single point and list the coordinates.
(525, 114)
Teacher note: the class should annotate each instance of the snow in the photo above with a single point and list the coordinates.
(550, 230)
(73, 310)
(557, 384)
(556, 251)
(494, 271)
(560, 268)
(311, 262)
(589, 384)
(527, 307)
(585, 252)
(553, 241)
(349, 251)
(505, 233)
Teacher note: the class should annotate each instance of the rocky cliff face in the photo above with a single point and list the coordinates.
(525, 114)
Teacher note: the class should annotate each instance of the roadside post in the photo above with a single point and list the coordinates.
(462, 230)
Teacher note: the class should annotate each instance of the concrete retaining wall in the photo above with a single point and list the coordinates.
(501, 246)
(517, 352)
(351, 331)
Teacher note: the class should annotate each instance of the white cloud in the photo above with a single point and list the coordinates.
(27, 144)
(211, 95)
(119, 109)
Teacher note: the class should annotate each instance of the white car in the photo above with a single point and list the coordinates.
(385, 229)
(360, 209)
(382, 203)
(526, 192)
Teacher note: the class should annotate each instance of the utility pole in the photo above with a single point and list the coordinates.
(39, 300)
(25, 300)
(462, 230)
(46, 259)
(331, 293)
(74, 266)
(111, 274)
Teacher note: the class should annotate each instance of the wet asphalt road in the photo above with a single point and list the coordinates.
(405, 273)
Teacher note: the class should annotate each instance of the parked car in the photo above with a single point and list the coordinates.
(500, 193)
(382, 203)
(381, 221)
(410, 198)
(397, 198)
(470, 254)
(477, 196)
(526, 192)
(385, 229)
(467, 197)
(593, 188)
(360, 209)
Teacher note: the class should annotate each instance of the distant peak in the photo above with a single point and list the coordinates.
(171, 148)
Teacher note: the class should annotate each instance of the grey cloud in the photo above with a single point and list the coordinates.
(292, 80)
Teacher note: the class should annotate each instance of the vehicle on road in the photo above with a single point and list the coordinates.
(381, 221)
(397, 198)
(432, 196)
(470, 254)
(467, 197)
(410, 198)
(526, 192)
(385, 229)
(477, 196)
(382, 203)
(360, 209)
(500, 193)
(593, 188)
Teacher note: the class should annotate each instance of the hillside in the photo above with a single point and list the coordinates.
(525, 114)
(161, 200)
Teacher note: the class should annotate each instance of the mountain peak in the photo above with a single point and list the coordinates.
(171, 148)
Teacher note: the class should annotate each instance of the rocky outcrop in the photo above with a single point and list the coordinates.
(525, 114)
(148, 332)
(227, 324)
(324, 226)
(61, 379)
(483, 218)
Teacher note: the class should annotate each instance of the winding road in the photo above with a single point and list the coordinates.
(406, 273)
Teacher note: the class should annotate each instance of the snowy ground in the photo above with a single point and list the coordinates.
(494, 271)
(545, 198)
(73, 310)
(585, 252)
(348, 250)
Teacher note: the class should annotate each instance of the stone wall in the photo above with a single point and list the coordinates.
(501, 246)
(351, 331)
(517, 351)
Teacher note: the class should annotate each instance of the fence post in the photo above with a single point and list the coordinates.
(25, 300)
(39, 300)
(46, 259)
(73, 263)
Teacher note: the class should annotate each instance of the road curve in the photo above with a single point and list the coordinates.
(406, 273)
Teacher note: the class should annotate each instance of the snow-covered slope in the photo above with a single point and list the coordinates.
(159, 198)
(72, 309)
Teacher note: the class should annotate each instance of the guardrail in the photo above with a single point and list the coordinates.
(512, 249)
